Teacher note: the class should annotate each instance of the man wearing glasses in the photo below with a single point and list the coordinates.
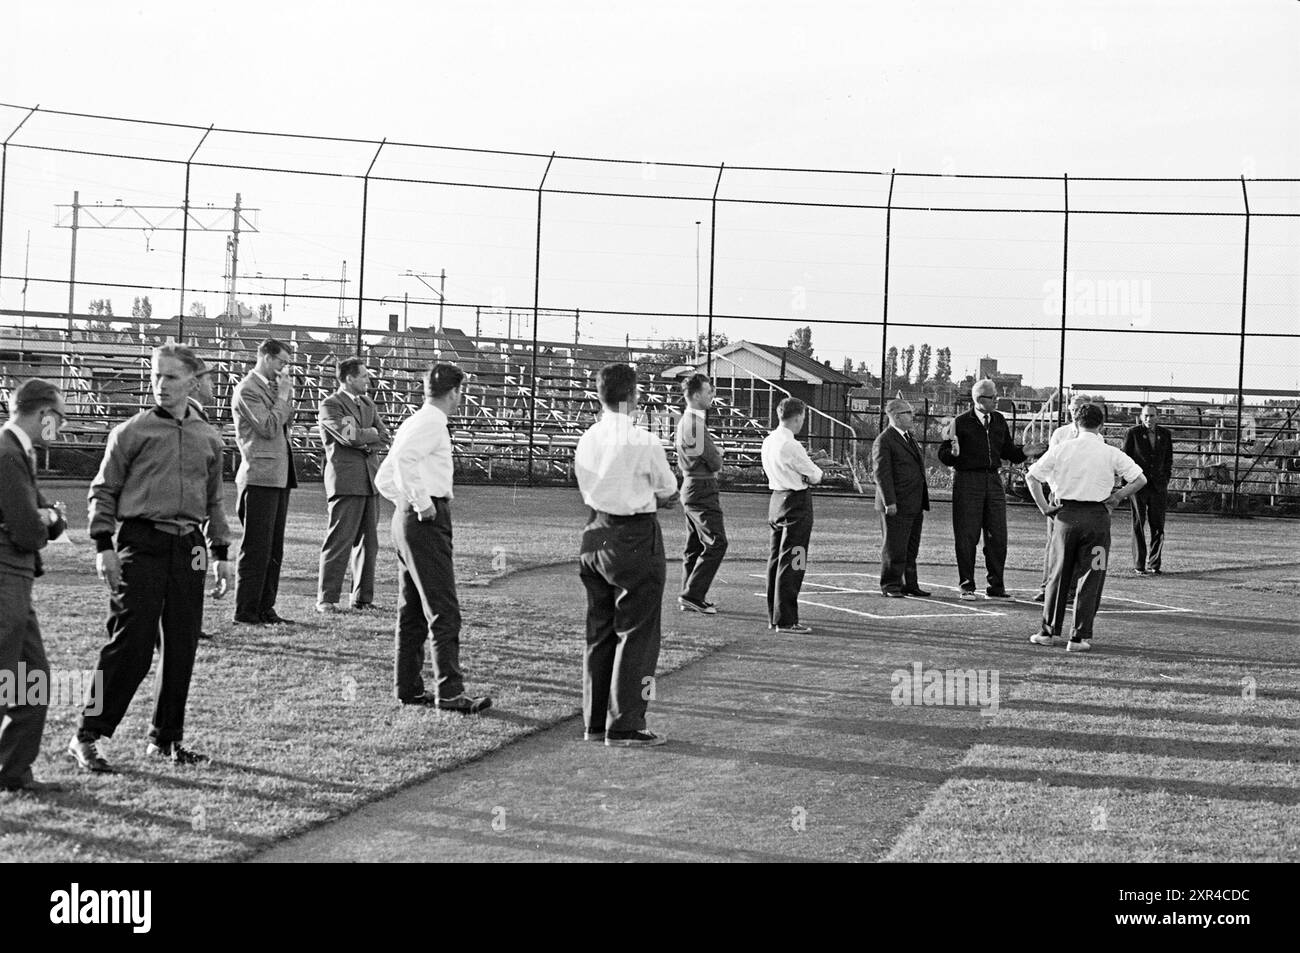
(978, 441)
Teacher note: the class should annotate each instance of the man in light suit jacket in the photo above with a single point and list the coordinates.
(354, 435)
(263, 409)
(700, 462)
(27, 523)
(902, 497)
(1152, 448)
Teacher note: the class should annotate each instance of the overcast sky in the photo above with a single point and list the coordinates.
(1041, 88)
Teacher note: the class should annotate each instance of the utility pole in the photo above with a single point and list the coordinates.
(72, 268)
(232, 248)
(576, 318)
(697, 295)
(343, 281)
(440, 291)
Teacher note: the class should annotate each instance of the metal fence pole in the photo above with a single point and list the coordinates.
(537, 291)
(4, 174)
(365, 205)
(713, 242)
(185, 236)
(1065, 290)
(1241, 359)
(884, 315)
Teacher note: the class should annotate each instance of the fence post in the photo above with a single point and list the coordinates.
(537, 290)
(361, 271)
(1065, 290)
(1241, 359)
(884, 317)
(713, 242)
(4, 174)
(185, 236)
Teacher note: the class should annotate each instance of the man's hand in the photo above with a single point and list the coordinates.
(891, 509)
(428, 513)
(223, 577)
(1050, 510)
(667, 502)
(285, 384)
(1035, 450)
(109, 569)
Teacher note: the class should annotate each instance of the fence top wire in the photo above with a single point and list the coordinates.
(198, 128)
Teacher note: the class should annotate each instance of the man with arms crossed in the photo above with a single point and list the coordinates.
(1084, 472)
(263, 409)
(700, 462)
(354, 434)
(27, 523)
(902, 497)
(624, 477)
(417, 476)
(161, 482)
(790, 472)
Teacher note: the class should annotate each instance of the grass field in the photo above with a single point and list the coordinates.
(1177, 741)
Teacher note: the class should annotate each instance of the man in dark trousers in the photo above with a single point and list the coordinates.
(417, 477)
(27, 523)
(160, 482)
(354, 435)
(700, 462)
(624, 477)
(1152, 446)
(790, 471)
(1083, 472)
(262, 405)
(902, 497)
(978, 443)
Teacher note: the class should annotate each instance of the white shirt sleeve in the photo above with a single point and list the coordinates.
(1125, 466)
(797, 457)
(1044, 468)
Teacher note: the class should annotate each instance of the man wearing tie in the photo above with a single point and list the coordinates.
(1152, 446)
(700, 462)
(263, 409)
(417, 477)
(790, 471)
(27, 523)
(354, 435)
(624, 477)
(902, 497)
(980, 440)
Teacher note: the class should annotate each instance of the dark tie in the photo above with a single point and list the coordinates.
(911, 443)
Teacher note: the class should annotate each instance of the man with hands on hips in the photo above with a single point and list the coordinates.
(159, 488)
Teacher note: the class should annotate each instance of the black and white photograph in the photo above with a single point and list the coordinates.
(694, 432)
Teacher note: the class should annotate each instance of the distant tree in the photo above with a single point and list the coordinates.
(909, 359)
(101, 308)
(801, 341)
(264, 313)
(848, 365)
(198, 310)
(891, 367)
(142, 308)
(943, 366)
(862, 368)
(923, 364)
(682, 350)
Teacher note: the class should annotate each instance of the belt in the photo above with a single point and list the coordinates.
(801, 490)
(623, 517)
(979, 470)
(1083, 502)
(171, 529)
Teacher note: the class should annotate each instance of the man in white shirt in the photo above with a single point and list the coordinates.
(1083, 472)
(624, 477)
(790, 472)
(417, 477)
(1067, 431)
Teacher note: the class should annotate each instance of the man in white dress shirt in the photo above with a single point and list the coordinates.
(790, 471)
(624, 477)
(1067, 431)
(417, 477)
(1083, 472)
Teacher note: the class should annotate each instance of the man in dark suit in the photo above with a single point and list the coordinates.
(978, 443)
(262, 405)
(902, 498)
(700, 462)
(354, 435)
(27, 523)
(1152, 447)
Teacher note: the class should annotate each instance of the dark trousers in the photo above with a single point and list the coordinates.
(898, 549)
(352, 539)
(427, 605)
(162, 581)
(979, 505)
(623, 570)
(1148, 509)
(1047, 562)
(790, 515)
(706, 538)
(1080, 550)
(262, 510)
(20, 645)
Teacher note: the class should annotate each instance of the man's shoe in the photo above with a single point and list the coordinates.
(1140, 572)
(176, 753)
(795, 629)
(1155, 572)
(997, 594)
(244, 620)
(892, 593)
(691, 605)
(465, 704)
(968, 595)
(329, 608)
(1040, 596)
(634, 739)
(1080, 646)
(593, 735)
(1039, 638)
(918, 593)
(366, 607)
(424, 698)
(88, 757)
(32, 786)
(273, 618)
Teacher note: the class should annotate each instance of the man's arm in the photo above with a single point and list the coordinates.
(1127, 469)
(690, 441)
(1040, 500)
(23, 521)
(266, 419)
(217, 529)
(106, 488)
(882, 470)
(1012, 452)
(662, 479)
(1167, 457)
(797, 457)
(333, 418)
(950, 448)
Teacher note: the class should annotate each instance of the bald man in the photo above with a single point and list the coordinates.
(902, 497)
